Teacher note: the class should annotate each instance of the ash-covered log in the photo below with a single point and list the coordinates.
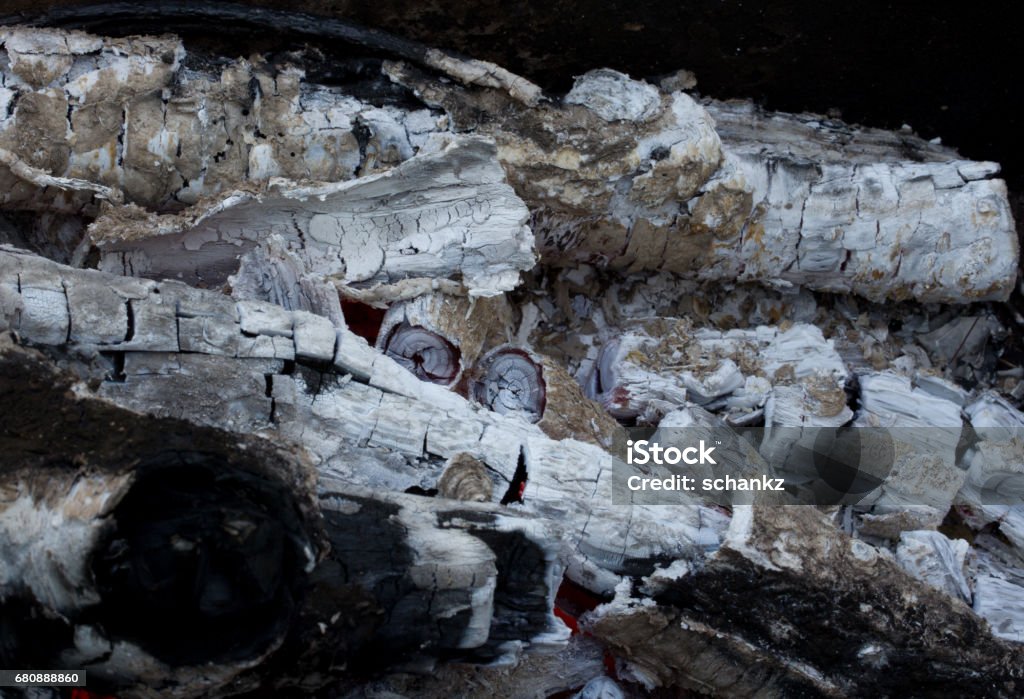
(156, 554)
(143, 548)
(763, 617)
(643, 179)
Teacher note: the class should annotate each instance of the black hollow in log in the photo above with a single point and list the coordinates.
(203, 564)
(150, 545)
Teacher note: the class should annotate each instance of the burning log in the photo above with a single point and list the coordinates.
(95, 108)
(416, 221)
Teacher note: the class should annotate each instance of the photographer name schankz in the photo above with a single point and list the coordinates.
(642, 452)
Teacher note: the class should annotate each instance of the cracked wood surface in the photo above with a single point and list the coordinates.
(448, 214)
(233, 376)
(713, 191)
(611, 232)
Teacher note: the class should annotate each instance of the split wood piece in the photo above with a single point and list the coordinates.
(734, 454)
(89, 118)
(844, 209)
(796, 417)
(471, 71)
(115, 119)
(445, 215)
(51, 304)
(740, 604)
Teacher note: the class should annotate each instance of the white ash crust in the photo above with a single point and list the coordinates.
(447, 214)
(614, 96)
(714, 191)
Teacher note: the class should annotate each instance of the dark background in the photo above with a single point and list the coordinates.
(947, 70)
